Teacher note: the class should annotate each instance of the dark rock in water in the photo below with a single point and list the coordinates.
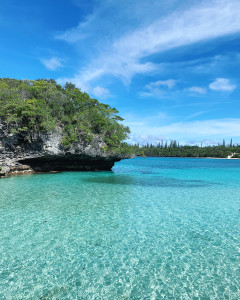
(69, 162)
(43, 152)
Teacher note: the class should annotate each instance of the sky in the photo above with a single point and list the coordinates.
(171, 68)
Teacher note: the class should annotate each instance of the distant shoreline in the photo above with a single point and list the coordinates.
(192, 157)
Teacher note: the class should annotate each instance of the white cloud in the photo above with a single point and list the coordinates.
(98, 91)
(108, 16)
(221, 127)
(222, 84)
(169, 83)
(75, 34)
(122, 57)
(52, 63)
(101, 92)
(196, 114)
(197, 89)
(84, 87)
(155, 127)
(158, 88)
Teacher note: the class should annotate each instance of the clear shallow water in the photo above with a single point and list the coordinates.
(154, 228)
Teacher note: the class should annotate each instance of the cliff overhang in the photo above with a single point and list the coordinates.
(22, 153)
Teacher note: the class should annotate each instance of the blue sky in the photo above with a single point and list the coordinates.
(170, 67)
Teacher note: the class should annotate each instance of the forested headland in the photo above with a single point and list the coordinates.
(43, 106)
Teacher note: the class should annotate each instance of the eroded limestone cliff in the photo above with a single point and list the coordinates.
(42, 152)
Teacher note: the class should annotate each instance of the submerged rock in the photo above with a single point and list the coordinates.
(22, 153)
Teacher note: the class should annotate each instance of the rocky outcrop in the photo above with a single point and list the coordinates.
(42, 152)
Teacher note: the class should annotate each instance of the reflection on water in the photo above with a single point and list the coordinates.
(151, 181)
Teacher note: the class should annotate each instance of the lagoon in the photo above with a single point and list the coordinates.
(153, 228)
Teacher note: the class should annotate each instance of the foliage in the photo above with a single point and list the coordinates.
(43, 105)
(124, 148)
(173, 149)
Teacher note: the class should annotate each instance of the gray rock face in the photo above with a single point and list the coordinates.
(43, 152)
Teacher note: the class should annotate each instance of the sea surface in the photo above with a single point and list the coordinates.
(153, 228)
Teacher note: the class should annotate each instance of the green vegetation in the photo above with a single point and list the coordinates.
(30, 106)
(0, 168)
(173, 149)
(43, 105)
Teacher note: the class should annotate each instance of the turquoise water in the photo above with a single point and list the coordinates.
(154, 228)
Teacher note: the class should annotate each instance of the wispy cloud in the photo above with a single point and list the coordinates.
(168, 83)
(75, 34)
(101, 92)
(222, 84)
(95, 91)
(158, 88)
(184, 131)
(52, 63)
(196, 114)
(197, 89)
(220, 127)
(122, 57)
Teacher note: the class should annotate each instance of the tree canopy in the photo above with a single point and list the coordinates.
(173, 149)
(42, 105)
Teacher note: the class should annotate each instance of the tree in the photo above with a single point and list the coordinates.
(43, 105)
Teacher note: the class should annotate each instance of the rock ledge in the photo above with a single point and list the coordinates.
(42, 152)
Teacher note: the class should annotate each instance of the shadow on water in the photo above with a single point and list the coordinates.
(151, 181)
